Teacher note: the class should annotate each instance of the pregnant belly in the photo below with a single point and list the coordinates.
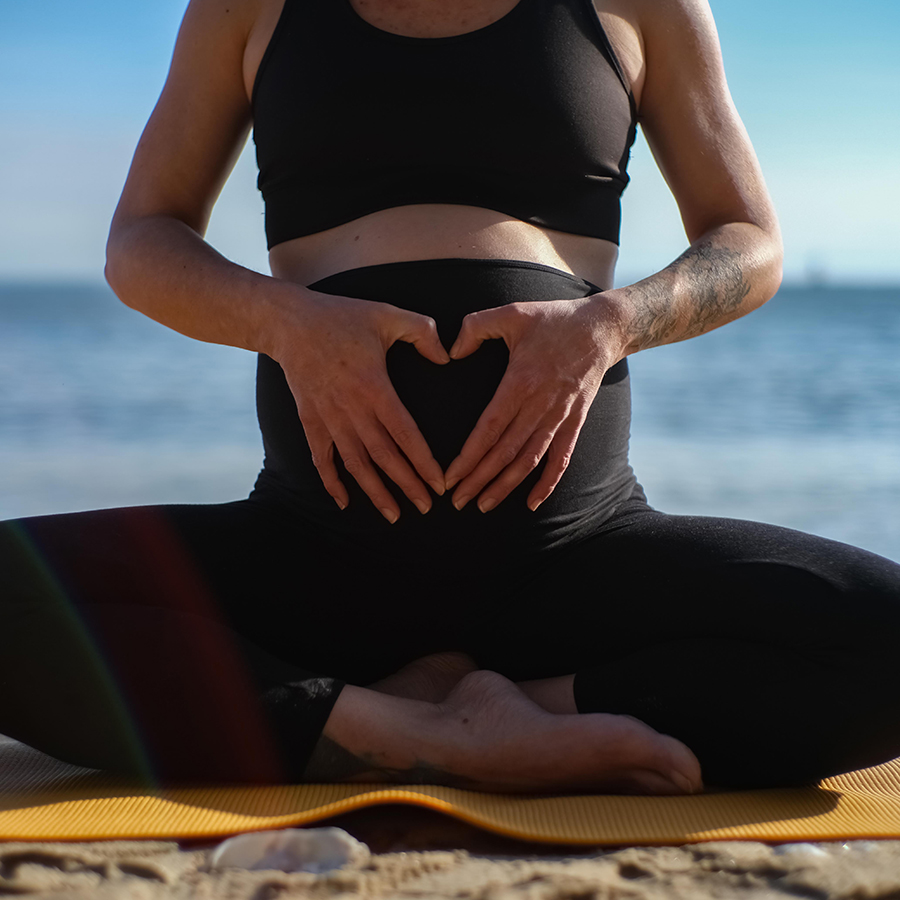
(445, 402)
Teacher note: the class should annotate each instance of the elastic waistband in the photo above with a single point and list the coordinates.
(459, 263)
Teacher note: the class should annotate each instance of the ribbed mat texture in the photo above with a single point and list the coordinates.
(43, 799)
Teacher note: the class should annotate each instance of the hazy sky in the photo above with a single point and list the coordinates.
(816, 81)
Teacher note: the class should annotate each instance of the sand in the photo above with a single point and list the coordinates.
(422, 854)
(417, 853)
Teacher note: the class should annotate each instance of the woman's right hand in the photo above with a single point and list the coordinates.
(332, 351)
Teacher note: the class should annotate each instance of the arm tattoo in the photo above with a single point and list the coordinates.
(332, 762)
(716, 286)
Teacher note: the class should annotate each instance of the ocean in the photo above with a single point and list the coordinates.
(790, 415)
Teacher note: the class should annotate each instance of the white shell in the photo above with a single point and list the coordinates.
(864, 846)
(799, 850)
(291, 850)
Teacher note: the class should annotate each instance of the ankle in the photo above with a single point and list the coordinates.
(428, 678)
(371, 736)
(556, 695)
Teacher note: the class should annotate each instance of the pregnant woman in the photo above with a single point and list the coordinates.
(447, 571)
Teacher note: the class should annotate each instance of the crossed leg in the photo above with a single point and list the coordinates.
(769, 652)
(444, 721)
(766, 652)
(162, 642)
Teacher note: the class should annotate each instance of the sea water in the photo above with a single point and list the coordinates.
(790, 415)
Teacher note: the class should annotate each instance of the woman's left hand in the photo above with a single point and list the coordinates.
(559, 351)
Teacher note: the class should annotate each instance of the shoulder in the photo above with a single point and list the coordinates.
(662, 19)
(231, 33)
(658, 40)
(684, 12)
(231, 20)
(228, 14)
(681, 42)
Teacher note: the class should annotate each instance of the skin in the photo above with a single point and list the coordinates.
(476, 729)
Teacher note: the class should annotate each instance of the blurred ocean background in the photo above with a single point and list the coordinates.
(790, 415)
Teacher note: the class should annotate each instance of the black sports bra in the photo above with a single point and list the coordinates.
(530, 116)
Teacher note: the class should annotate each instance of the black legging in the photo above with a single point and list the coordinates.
(211, 642)
(168, 641)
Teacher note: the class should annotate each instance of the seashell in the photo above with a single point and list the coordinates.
(799, 850)
(863, 846)
(291, 850)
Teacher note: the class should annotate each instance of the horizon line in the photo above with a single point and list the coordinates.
(828, 283)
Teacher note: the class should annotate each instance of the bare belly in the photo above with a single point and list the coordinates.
(440, 231)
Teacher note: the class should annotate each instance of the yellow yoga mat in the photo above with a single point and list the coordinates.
(43, 799)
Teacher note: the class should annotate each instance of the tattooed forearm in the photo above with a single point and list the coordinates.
(332, 762)
(717, 284)
(705, 286)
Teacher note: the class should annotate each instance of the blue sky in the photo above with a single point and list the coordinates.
(817, 83)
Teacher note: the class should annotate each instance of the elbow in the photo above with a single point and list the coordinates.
(774, 265)
(113, 271)
(764, 254)
(110, 273)
(777, 278)
(115, 279)
(120, 271)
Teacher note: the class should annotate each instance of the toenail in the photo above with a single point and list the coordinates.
(681, 781)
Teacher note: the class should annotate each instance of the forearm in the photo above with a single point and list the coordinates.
(723, 275)
(161, 267)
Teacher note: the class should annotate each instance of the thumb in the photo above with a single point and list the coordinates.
(478, 327)
(421, 332)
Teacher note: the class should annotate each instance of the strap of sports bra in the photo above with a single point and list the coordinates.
(592, 14)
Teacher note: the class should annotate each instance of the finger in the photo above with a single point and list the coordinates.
(489, 429)
(511, 461)
(383, 452)
(356, 461)
(478, 327)
(513, 474)
(503, 454)
(321, 448)
(421, 332)
(403, 430)
(558, 457)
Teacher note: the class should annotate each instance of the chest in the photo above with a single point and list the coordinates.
(448, 18)
(527, 114)
(533, 88)
(430, 19)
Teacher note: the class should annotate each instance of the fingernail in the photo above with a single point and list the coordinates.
(461, 502)
(487, 505)
(341, 505)
(451, 483)
(535, 504)
(437, 487)
(389, 514)
(422, 505)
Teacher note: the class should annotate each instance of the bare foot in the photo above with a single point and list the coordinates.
(514, 744)
(488, 735)
(556, 695)
(430, 678)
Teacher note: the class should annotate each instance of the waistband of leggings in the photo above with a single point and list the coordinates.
(456, 262)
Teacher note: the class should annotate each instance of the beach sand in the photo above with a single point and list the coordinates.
(422, 854)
